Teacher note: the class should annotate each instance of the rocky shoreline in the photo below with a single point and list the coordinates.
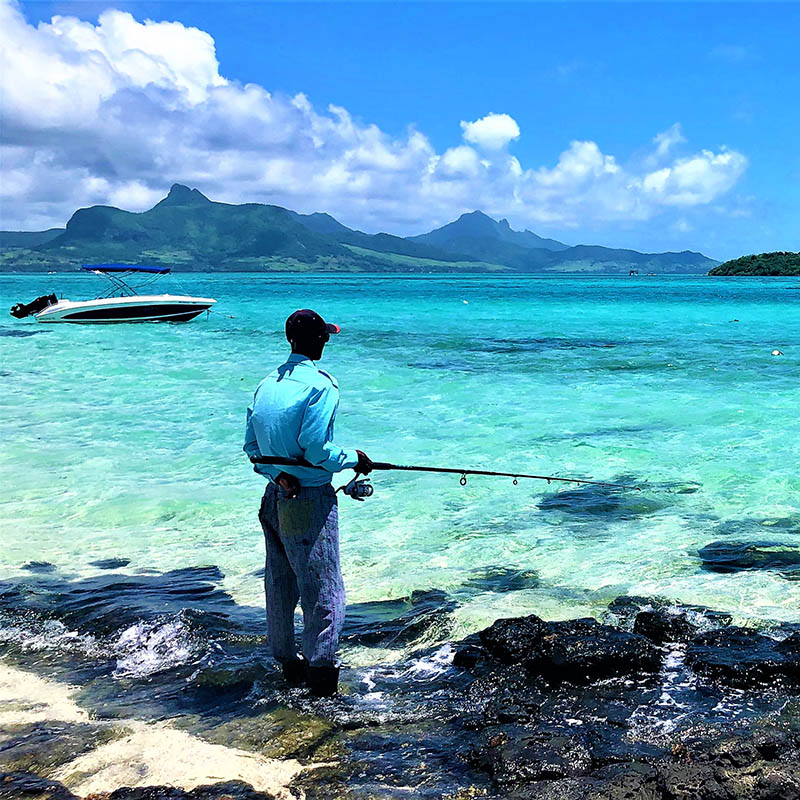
(560, 703)
(658, 702)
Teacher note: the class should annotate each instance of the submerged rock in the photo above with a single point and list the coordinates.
(395, 623)
(580, 650)
(736, 556)
(39, 566)
(110, 563)
(501, 580)
(42, 746)
(744, 657)
(602, 501)
(282, 733)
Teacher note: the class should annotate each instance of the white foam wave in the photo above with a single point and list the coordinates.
(147, 648)
(431, 666)
(50, 635)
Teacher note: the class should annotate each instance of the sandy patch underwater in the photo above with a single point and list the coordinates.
(125, 752)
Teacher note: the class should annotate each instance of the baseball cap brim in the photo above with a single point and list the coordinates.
(332, 328)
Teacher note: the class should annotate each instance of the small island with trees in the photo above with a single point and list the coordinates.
(761, 264)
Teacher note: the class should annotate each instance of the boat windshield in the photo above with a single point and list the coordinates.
(125, 278)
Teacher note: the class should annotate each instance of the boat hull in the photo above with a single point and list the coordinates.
(137, 308)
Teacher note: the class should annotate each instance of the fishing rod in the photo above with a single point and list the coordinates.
(385, 466)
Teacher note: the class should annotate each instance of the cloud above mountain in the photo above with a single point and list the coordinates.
(114, 112)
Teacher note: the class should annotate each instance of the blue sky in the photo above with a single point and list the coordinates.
(714, 78)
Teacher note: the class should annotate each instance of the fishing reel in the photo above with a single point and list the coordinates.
(358, 489)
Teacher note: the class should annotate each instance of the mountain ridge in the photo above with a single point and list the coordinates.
(189, 231)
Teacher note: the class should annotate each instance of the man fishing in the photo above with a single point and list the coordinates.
(292, 417)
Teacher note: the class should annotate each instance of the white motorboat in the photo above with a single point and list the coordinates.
(122, 303)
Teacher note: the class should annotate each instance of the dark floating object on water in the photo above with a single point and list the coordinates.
(39, 566)
(110, 563)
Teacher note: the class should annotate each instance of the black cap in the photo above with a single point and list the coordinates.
(305, 324)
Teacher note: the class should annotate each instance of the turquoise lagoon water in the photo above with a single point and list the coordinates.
(125, 441)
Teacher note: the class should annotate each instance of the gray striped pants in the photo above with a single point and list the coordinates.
(302, 542)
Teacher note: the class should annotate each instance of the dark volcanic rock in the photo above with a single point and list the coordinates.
(662, 620)
(743, 657)
(515, 639)
(735, 556)
(580, 650)
(764, 765)
(619, 782)
(660, 627)
(22, 785)
(229, 790)
(690, 782)
(555, 716)
(517, 756)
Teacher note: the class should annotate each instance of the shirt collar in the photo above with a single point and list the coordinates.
(299, 358)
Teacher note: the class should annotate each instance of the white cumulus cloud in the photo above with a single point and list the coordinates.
(114, 112)
(491, 132)
(697, 179)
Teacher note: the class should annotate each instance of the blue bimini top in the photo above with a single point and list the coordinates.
(124, 268)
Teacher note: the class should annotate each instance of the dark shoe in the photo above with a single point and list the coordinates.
(323, 681)
(295, 671)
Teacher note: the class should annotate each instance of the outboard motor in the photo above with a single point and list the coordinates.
(22, 310)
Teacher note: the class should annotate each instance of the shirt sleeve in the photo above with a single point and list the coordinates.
(316, 433)
(251, 443)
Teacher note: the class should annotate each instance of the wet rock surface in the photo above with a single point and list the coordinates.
(660, 701)
(580, 650)
(744, 657)
(225, 790)
(711, 714)
(28, 786)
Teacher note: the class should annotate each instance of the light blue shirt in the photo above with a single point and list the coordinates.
(292, 416)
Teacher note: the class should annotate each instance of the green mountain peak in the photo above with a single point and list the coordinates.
(180, 195)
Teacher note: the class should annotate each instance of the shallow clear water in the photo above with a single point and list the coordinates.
(125, 441)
